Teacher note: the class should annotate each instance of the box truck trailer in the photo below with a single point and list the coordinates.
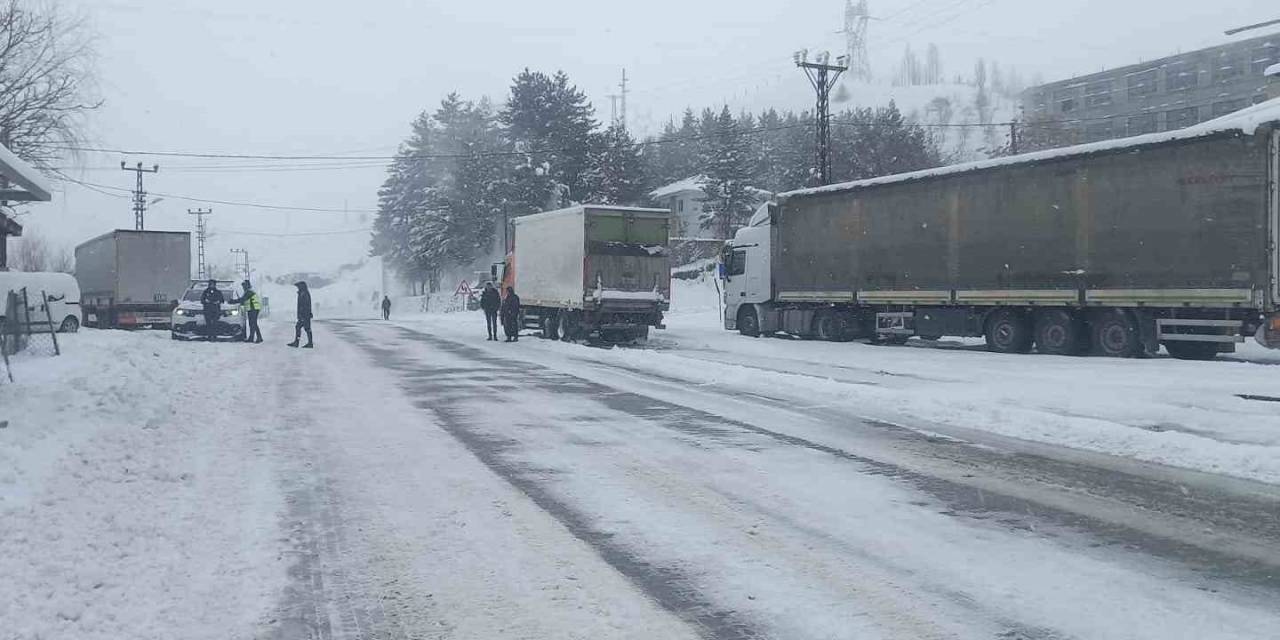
(1114, 248)
(133, 279)
(592, 271)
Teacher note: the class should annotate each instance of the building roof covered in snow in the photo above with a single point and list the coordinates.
(693, 183)
(1245, 122)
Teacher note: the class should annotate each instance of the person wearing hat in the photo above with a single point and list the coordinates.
(212, 301)
(252, 304)
(304, 317)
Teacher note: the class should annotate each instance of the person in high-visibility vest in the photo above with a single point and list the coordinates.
(251, 302)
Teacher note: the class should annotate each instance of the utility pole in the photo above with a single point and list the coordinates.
(613, 108)
(244, 254)
(139, 194)
(201, 234)
(1013, 138)
(823, 76)
(623, 114)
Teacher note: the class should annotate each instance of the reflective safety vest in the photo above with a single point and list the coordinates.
(252, 302)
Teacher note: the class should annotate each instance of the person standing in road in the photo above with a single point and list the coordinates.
(304, 317)
(386, 308)
(251, 302)
(511, 315)
(490, 303)
(212, 301)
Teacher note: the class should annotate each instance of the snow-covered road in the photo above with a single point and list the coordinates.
(409, 480)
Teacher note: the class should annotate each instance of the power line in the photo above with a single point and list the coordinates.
(252, 205)
(312, 234)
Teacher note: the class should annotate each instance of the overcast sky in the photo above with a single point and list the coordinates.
(310, 77)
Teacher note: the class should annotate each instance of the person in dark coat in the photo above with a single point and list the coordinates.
(511, 315)
(212, 301)
(386, 308)
(490, 303)
(304, 317)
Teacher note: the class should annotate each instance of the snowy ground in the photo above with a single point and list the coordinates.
(410, 480)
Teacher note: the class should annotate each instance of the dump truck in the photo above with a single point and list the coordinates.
(133, 279)
(1114, 248)
(592, 272)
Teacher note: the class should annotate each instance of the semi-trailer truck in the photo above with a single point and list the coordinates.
(133, 279)
(1114, 248)
(592, 271)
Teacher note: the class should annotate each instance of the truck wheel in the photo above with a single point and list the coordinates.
(1059, 333)
(1115, 335)
(1192, 350)
(551, 326)
(748, 322)
(640, 335)
(1008, 331)
(832, 327)
(568, 327)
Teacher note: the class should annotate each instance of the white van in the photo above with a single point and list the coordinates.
(61, 288)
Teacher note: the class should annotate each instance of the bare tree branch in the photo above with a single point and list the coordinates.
(46, 79)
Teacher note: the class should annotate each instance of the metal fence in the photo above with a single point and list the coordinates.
(26, 328)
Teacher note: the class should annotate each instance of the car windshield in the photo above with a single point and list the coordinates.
(810, 319)
(194, 295)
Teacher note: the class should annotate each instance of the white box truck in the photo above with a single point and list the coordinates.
(133, 279)
(592, 271)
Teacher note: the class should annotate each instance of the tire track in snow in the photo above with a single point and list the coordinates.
(666, 585)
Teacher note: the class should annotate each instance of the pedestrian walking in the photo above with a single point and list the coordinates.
(212, 301)
(304, 317)
(251, 302)
(386, 308)
(490, 303)
(511, 315)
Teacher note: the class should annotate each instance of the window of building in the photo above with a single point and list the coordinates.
(1181, 118)
(679, 205)
(1142, 84)
(1098, 94)
(1264, 57)
(1229, 69)
(1140, 124)
(1185, 75)
(1228, 106)
(1065, 99)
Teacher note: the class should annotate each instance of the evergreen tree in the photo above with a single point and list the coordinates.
(728, 199)
(551, 121)
(616, 172)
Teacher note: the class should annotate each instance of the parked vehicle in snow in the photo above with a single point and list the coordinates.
(133, 279)
(63, 295)
(1115, 248)
(188, 321)
(592, 271)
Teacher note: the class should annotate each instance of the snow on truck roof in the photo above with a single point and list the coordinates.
(582, 208)
(1246, 121)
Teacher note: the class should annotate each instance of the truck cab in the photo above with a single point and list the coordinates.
(745, 267)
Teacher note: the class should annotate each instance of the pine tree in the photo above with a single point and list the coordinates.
(616, 169)
(551, 121)
(728, 199)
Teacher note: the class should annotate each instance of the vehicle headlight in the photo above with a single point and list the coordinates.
(233, 312)
(182, 312)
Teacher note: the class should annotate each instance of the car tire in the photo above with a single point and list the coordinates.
(70, 324)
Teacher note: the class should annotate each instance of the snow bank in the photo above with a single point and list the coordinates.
(132, 502)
